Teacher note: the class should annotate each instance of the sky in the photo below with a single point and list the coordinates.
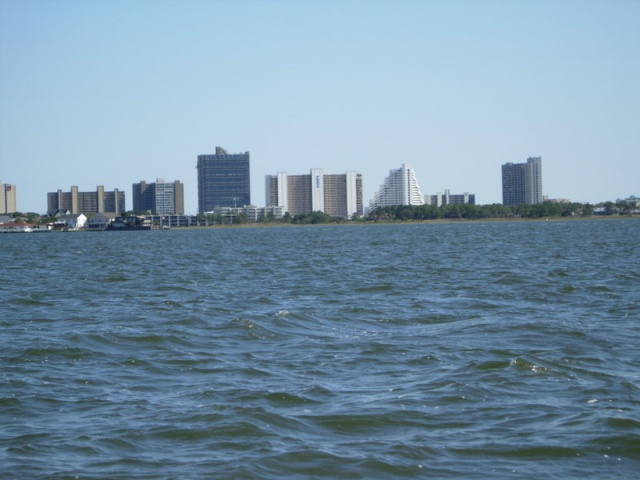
(112, 92)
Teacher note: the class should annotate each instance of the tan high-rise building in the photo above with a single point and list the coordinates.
(8, 202)
(336, 195)
(86, 202)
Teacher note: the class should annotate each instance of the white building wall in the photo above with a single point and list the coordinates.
(400, 187)
(352, 197)
(533, 180)
(412, 194)
(317, 190)
(406, 184)
(283, 191)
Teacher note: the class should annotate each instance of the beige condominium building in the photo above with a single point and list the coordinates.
(8, 202)
(74, 201)
(336, 195)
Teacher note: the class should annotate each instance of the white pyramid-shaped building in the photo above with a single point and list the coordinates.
(400, 187)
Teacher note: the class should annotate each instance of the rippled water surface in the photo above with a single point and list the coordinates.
(471, 350)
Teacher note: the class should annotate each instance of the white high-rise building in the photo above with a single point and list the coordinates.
(400, 187)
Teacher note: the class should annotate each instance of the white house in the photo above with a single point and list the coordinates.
(74, 221)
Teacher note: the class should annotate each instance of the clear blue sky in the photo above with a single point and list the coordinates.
(109, 92)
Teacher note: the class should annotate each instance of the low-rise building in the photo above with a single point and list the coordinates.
(250, 212)
(100, 221)
(74, 221)
(17, 227)
(447, 198)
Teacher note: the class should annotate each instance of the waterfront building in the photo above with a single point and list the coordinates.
(522, 182)
(74, 221)
(159, 198)
(74, 201)
(8, 202)
(250, 212)
(223, 180)
(400, 187)
(171, 221)
(447, 198)
(17, 227)
(100, 221)
(338, 195)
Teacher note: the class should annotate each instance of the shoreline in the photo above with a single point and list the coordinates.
(438, 221)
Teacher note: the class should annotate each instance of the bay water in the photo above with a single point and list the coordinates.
(463, 350)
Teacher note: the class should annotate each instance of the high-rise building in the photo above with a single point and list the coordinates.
(336, 195)
(159, 198)
(448, 198)
(223, 180)
(522, 182)
(86, 202)
(400, 187)
(8, 202)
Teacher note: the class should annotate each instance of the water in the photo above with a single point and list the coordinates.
(471, 350)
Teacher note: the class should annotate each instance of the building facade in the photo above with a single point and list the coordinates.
(336, 195)
(447, 198)
(159, 198)
(251, 212)
(223, 180)
(522, 182)
(75, 201)
(8, 203)
(400, 187)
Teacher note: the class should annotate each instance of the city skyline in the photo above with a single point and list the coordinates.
(456, 89)
(176, 189)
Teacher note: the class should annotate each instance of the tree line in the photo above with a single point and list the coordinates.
(466, 211)
(477, 212)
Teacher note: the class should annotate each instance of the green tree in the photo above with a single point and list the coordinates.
(587, 209)
(268, 218)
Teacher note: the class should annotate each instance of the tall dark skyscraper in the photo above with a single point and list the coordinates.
(522, 182)
(223, 180)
